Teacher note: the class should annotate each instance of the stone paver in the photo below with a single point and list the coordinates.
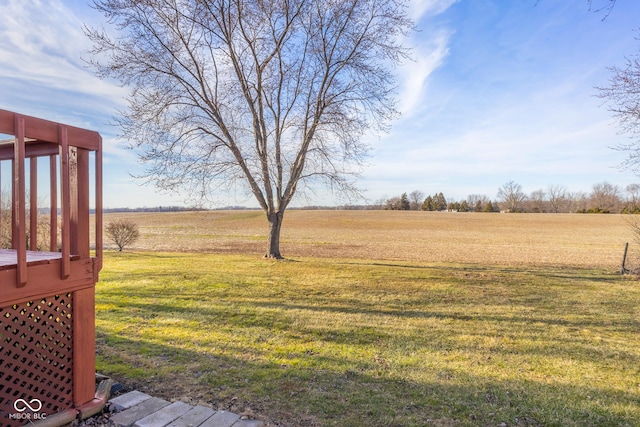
(221, 419)
(196, 416)
(165, 415)
(128, 400)
(128, 417)
(141, 410)
(248, 423)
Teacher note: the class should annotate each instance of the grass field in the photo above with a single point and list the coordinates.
(406, 320)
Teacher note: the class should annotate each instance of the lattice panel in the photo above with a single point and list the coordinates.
(36, 357)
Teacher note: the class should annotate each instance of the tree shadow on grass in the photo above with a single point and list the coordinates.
(559, 271)
(331, 391)
(330, 359)
(280, 318)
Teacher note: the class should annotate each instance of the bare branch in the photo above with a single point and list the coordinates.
(271, 93)
(622, 98)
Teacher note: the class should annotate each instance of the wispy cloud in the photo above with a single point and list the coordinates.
(429, 48)
(420, 8)
(414, 74)
(40, 53)
(504, 91)
(496, 91)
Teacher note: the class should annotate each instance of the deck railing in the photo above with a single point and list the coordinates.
(47, 295)
(67, 150)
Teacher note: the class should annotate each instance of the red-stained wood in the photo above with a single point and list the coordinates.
(73, 199)
(65, 199)
(36, 275)
(8, 258)
(0, 198)
(84, 359)
(19, 232)
(45, 130)
(45, 281)
(32, 148)
(98, 215)
(33, 203)
(81, 206)
(53, 204)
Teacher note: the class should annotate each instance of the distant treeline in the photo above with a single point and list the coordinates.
(154, 209)
(603, 198)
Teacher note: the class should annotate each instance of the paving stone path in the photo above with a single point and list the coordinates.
(138, 409)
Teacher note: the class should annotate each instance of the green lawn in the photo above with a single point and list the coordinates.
(321, 342)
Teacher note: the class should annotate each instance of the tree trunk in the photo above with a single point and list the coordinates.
(275, 224)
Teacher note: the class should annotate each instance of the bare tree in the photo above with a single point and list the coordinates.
(477, 202)
(123, 232)
(633, 201)
(512, 196)
(622, 98)
(579, 201)
(380, 203)
(605, 197)
(598, 6)
(416, 197)
(605, 6)
(559, 199)
(393, 204)
(43, 234)
(269, 94)
(538, 201)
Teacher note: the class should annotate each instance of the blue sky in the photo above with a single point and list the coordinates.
(497, 91)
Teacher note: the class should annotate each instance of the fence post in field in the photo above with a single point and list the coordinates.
(624, 258)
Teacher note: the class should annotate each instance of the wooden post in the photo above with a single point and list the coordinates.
(84, 346)
(33, 204)
(53, 204)
(80, 204)
(65, 200)
(98, 216)
(19, 232)
(624, 258)
(84, 300)
(0, 201)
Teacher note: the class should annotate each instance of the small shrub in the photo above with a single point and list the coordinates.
(122, 232)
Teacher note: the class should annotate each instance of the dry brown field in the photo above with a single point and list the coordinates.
(580, 240)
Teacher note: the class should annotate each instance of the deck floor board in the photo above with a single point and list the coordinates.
(9, 259)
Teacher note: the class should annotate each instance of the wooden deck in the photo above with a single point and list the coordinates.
(9, 258)
(47, 298)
